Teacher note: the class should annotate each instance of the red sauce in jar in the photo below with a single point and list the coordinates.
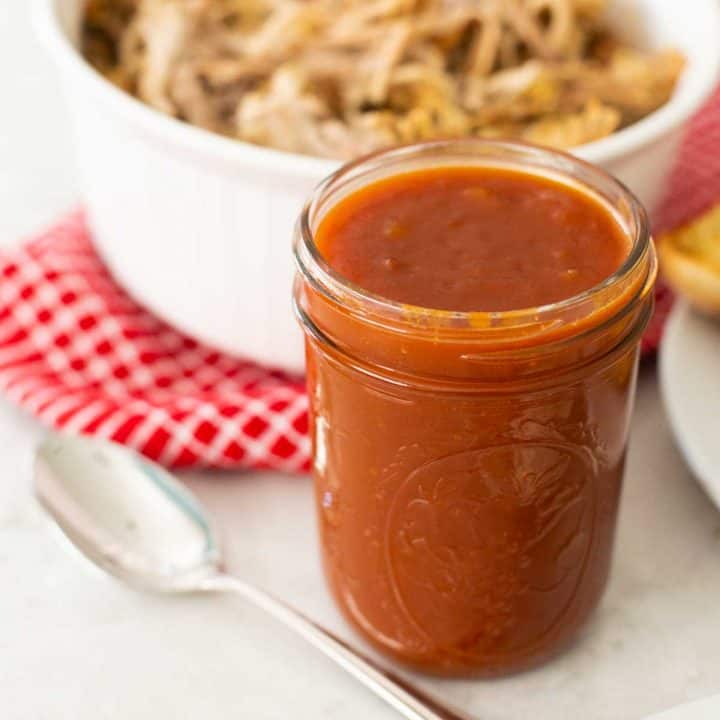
(472, 238)
(468, 464)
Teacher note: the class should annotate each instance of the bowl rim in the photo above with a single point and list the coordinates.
(233, 153)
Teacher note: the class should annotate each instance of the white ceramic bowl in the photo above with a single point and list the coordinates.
(198, 227)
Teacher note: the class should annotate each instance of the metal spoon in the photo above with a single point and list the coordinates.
(134, 520)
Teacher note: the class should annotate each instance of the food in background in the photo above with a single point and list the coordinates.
(338, 78)
(690, 260)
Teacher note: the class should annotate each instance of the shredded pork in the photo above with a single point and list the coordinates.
(337, 78)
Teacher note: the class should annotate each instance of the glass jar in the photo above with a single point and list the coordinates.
(468, 466)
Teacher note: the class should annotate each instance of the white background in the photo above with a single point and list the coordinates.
(75, 645)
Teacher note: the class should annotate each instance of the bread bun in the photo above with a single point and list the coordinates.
(690, 261)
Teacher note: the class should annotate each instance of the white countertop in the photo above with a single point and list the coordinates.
(75, 645)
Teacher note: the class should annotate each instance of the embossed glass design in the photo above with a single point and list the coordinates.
(468, 466)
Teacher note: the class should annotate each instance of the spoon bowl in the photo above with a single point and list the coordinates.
(128, 515)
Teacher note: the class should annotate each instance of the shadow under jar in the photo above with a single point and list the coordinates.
(468, 465)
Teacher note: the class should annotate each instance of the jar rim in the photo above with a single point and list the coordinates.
(478, 152)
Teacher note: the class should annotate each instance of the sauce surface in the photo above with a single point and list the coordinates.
(472, 239)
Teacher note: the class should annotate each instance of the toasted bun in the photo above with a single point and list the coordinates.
(690, 261)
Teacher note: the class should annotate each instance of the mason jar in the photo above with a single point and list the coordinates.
(468, 465)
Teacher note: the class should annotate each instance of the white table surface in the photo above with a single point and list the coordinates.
(75, 645)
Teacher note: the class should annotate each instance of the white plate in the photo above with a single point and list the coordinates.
(690, 384)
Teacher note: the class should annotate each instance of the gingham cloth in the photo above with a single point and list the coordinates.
(80, 355)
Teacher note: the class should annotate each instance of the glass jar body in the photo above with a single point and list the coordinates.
(468, 532)
(468, 466)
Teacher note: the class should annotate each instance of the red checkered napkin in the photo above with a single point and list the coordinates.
(79, 354)
(695, 183)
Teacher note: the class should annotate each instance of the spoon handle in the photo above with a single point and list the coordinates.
(410, 702)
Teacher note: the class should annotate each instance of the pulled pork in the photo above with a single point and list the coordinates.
(338, 78)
